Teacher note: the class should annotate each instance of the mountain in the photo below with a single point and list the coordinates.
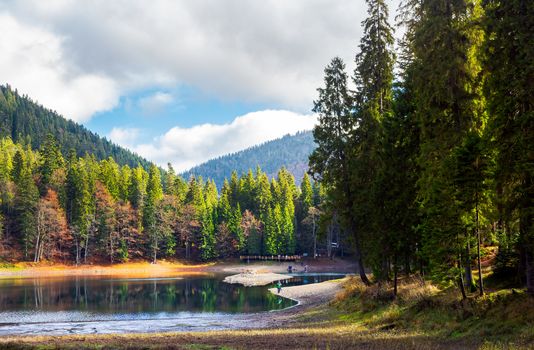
(290, 151)
(26, 121)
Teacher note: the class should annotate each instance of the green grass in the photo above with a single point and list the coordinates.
(502, 317)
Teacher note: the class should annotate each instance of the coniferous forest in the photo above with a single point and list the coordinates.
(78, 209)
(27, 122)
(426, 153)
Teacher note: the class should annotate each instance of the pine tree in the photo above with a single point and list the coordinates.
(271, 231)
(154, 194)
(138, 184)
(225, 209)
(109, 175)
(26, 200)
(78, 204)
(509, 89)
(234, 225)
(373, 78)
(262, 196)
(51, 160)
(125, 183)
(306, 193)
(170, 178)
(330, 161)
(247, 190)
(444, 41)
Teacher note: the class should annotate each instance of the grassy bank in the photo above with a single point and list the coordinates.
(502, 317)
(325, 336)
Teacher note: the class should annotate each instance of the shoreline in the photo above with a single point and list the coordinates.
(168, 268)
(311, 294)
(130, 269)
(308, 297)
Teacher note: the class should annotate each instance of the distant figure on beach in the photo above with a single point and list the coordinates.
(305, 268)
(279, 286)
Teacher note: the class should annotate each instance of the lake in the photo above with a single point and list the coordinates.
(106, 304)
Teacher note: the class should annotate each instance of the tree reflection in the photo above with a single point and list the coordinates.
(195, 294)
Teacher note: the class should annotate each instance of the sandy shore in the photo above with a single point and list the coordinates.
(252, 278)
(311, 294)
(133, 269)
(170, 269)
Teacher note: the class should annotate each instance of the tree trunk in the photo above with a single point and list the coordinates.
(526, 229)
(361, 268)
(154, 260)
(111, 246)
(461, 280)
(86, 249)
(395, 276)
(36, 256)
(479, 242)
(187, 250)
(529, 267)
(468, 270)
(329, 239)
(77, 243)
(314, 233)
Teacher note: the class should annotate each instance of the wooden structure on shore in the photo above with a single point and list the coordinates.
(271, 257)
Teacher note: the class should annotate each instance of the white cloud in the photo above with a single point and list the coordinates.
(33, 61)
(187, 147)
(79, 56)
(155, 103)
(125, 137)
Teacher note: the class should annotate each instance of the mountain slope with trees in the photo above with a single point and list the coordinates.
(24, 120)
(290, 151)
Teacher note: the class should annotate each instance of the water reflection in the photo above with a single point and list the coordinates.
(104, 295)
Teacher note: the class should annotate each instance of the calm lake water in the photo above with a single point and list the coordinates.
(50, 305)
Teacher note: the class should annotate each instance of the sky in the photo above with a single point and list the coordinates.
(179, 81)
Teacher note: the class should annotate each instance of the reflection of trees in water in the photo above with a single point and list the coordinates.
(190, 294)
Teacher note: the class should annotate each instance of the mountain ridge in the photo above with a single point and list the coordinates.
(290, 151)
(23, 119)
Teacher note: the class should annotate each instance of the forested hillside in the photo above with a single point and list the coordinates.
(80, 210)
(290, 151)
(26, 121)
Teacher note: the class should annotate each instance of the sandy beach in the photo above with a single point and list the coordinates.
(311, 294)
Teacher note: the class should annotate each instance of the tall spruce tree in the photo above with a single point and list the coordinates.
(373, 78)
(154, 194)
(26, 199)
(330, 161)
(51, 160)
(78, 203)
(509, 57)
(444, 39)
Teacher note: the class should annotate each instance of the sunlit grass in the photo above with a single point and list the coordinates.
(505, 316)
